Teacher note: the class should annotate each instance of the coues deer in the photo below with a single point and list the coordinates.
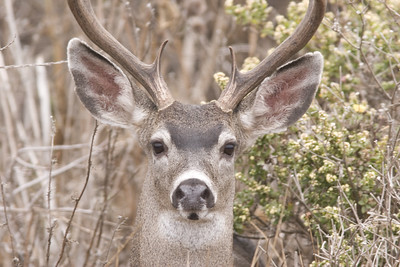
(185, 213)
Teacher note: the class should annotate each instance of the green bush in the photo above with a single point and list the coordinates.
(339, 163)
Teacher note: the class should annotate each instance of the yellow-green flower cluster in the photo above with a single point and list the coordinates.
(331, 178)
(254, 12)
(221, 79)
(332, 213)
(249, 64)
(273, 209)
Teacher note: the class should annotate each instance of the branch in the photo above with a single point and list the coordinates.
(89, 167)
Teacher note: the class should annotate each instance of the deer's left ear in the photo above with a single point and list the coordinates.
(283, 98)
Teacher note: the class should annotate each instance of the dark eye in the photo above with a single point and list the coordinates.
(229, 149)
(158, 147)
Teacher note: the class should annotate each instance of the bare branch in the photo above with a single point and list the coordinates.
(89, 167)
(33, 65)
(16, 260)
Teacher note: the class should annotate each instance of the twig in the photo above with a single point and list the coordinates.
(89, 166)
(55, 173)
(110, 152)
(100, 219)
(395, 15)
(46, 64)
(302, 202)
(251, 237)
(55, 147)
(361, 36)
(281, 255)
(122, 220)
(121, 248)
(51, 225)
(42, 210)
(9, 44)
(7, 224)
(100, 222)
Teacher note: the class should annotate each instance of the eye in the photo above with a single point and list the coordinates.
(158, 147)
(229, 149)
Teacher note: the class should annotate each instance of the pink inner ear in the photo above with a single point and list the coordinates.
(102, 80)
(286, 90)
(284, 97)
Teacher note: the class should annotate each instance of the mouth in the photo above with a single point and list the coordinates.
(193, 216)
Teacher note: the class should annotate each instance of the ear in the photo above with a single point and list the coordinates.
(282, 98)
(103, 88)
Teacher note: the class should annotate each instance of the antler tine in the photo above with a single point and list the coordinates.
(148, 75)
(241, 84)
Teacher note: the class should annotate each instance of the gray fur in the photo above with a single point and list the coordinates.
(194, 136)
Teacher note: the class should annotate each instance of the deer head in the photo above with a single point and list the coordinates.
(187, 198)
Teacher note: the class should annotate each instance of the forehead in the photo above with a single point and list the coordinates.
(194, 127)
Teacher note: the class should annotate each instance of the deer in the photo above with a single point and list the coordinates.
(185, 211)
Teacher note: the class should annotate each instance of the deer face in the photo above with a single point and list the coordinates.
(187, 196)
(191, 155)
(191, 149)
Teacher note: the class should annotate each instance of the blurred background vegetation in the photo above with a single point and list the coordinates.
(326, 192)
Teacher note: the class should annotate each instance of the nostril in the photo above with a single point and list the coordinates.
(179, 194)
(177, 197)
(205, 194)
(208, 196)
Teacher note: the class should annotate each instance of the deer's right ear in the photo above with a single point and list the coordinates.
(103, 88)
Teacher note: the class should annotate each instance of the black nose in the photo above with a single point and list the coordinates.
(192, 195)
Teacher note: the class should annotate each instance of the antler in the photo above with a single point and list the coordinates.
(148, 75)
(240, 84)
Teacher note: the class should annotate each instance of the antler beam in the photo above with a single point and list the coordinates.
(240, 84)
(148, 75)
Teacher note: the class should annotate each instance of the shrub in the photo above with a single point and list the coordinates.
(336, 170)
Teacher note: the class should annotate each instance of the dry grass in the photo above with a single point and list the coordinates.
(64, 201)
(69, 188)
